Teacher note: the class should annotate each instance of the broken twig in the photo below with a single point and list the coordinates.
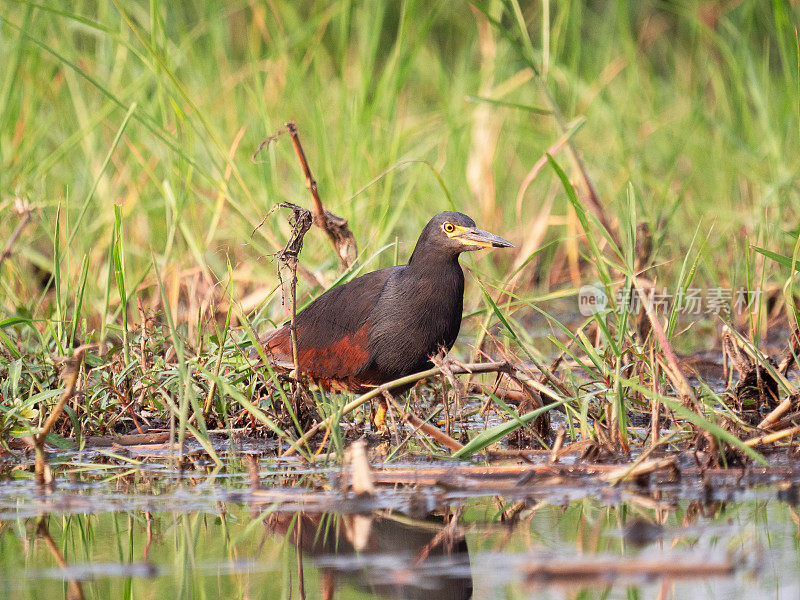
(289, 256)
(334, 227)
(70, 375)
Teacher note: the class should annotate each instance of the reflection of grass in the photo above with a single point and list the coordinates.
(684, 117)
(231, 551)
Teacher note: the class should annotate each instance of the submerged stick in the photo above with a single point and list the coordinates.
(641, 466)
(491, 367)
(140, 439)
(587, 570)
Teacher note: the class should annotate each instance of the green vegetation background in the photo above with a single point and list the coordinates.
(156, 108)
(130, 129)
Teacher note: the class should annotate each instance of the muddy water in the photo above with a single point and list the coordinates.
(128, 530)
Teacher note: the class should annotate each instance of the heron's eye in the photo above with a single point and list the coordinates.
(449, 227)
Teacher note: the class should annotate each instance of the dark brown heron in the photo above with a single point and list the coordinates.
(386, 324)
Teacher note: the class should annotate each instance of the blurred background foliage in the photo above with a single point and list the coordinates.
(158, 107)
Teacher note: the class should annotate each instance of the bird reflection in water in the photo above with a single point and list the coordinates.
(388, 556)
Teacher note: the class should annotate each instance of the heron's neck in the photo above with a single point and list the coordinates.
(434, 262)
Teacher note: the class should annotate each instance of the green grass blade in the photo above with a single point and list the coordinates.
(119, 274)
(494, 434)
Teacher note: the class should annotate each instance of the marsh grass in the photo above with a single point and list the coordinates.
(130, 128)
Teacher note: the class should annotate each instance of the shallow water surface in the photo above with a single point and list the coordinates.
(122, 530)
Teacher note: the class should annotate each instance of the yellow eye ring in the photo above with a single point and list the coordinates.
(448, 228)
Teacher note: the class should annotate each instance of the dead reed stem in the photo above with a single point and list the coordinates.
(672, 369)
(773, 437)
(335, 227)
(432, 432)
(70, 374)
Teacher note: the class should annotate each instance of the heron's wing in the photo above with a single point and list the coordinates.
(332, 331)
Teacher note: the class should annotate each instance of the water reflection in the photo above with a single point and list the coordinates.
(389, 556)
(545, 538)
(74, 586)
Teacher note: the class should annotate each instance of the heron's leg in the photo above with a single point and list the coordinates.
(379, 414)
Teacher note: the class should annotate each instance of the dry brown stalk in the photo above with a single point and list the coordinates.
(507, 394)
(672, 369)
(786, 363)
(547, 376)
(769, 421)
(579, 446)
(290, 256)
(310, 277)
(655, 405)
(591, 195)
(557, 444)
(386, 404)
(447, 375)
(143, 340)
(772, 437)
(360, 472)
(790, 356)
(554, 149)
(491, 392)
(793, 418)
(426, 428)
(335, 227)
(560, 358)
(70, 374)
